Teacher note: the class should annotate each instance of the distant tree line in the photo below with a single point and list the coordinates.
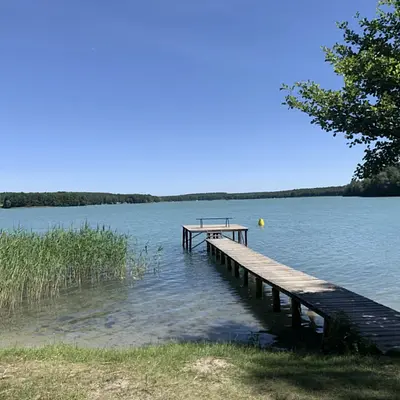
(311, 192)
(386, 183)
(65, 199)
(60, 199)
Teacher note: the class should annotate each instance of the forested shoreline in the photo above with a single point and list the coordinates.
(386, 183)
(71, 199)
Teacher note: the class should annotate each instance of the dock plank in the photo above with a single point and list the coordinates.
(374, 321)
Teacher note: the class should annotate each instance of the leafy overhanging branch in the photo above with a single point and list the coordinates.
(367, 107)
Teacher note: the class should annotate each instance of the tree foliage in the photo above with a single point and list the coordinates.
(367, 107)
(386, 183)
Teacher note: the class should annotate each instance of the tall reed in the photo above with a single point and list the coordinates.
(34, 266)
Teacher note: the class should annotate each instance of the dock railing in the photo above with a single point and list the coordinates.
(212, 230)
(226, 219)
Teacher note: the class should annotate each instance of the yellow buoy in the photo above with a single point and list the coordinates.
(260, 222)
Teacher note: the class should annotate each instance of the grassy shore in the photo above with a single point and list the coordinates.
(34, 266)
(192, 371)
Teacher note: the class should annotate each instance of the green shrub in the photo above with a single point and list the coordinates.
(344, 338)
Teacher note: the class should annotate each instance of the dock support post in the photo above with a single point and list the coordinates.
(259, 288)
(183, 237)
(222, 259)
(237, 272)
(325, 335)
(239, 236)
(245, 278)
(212, 250)
(208, 248)
(326, 328)
(276, 301)
(296, 313)
(217, 254)
(190, 241)
(229, 264)
(233, 235)
(245, 238)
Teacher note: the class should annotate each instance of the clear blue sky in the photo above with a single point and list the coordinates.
(166, 97)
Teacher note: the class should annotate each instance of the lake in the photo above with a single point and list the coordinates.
(353, 242)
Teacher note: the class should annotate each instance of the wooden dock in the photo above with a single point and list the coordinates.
(375, 322)
(190, 232)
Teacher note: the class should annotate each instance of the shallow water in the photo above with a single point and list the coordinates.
(352, 242)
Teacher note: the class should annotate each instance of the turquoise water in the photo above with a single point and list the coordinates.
(352, 242)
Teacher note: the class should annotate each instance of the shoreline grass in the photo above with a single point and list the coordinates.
(192, 371)
(34, 266)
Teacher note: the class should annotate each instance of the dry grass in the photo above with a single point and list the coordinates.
(192, 371)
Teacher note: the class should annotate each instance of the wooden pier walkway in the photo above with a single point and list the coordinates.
(375, 322)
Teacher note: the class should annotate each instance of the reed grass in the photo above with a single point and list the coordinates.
(34, 266)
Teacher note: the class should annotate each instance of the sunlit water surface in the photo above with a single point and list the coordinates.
(352, 242)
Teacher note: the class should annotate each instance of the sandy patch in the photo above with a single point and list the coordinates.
(209, 365)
